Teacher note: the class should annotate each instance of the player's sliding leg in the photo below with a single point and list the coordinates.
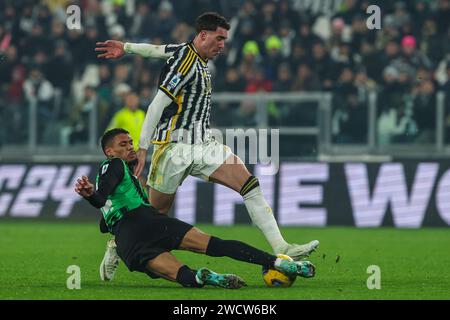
(235, 175)
(167, 266)
(200, 242)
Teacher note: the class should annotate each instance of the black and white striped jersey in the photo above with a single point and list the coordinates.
(186, 80)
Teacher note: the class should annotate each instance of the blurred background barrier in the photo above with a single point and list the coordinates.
(401, 193)
(311, 124)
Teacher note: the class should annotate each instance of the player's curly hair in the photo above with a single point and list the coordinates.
(109, 135)
(210, 21)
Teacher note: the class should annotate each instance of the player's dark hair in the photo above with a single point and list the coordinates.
(109, 136)
(210, 21)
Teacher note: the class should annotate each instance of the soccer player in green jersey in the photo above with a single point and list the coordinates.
(146, 237)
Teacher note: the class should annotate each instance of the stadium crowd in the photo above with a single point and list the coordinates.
(274, 46)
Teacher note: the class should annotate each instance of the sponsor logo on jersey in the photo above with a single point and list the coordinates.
(174, 82)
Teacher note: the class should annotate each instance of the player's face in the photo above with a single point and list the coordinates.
(215, 42)
(122, 148)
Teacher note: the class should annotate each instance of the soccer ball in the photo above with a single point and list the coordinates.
(274, 278)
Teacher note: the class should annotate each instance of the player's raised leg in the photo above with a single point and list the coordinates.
(234, 174)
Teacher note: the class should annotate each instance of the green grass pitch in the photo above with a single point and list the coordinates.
(34, 257)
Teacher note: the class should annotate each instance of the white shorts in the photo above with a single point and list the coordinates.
(173, 162)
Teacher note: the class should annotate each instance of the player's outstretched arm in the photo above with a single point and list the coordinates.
(154, 113)
(111, 175)
(84, 187)
(110, 49)
(113, 49)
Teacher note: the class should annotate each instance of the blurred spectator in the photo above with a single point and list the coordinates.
(372, 60)
(425, 112)
(13, 108)
(284, 82)
(413, 56)
(395, 123)
(306, 80)
(7, 64)
(342, 56)
(446, 89)
(432, 45)
(145, 97)
(251, 59)
(305, 36)
(273, 57)
(287, 35)
(298, 56)
(143, 23)
(5, 38)
(165, 21)
(182, 33)
(39, 91)
(245, 23)
(420, 13)
(60, 68)
(130, 118)
(391, 52)
(257, 82)
(104, 88)
(35, 42)
(233, 81)
(58, 32)
(267, 16)
(350, 117)
(77, 130)
(338, 34)
(350, 120)
(14, 89)
(246, 114)
(222, 113)
(323, 65)
(144, 78)
(441, 16)
(44, 18)
(360, 33)
(288, 17)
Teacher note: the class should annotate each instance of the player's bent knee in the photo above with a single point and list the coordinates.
(251, 183)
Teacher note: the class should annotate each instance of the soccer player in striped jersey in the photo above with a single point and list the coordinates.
(177, 123)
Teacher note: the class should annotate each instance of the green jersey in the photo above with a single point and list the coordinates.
(117, 191)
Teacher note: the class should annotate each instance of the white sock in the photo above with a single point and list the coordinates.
(262, 216)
